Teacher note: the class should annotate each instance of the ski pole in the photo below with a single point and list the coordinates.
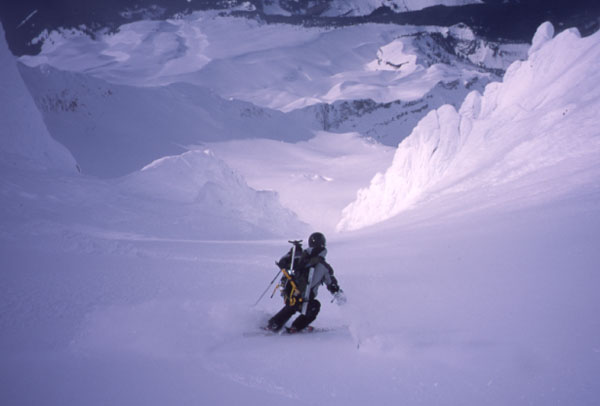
(267, 289)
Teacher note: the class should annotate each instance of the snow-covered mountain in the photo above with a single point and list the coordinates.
(380, 88)
(456, 48)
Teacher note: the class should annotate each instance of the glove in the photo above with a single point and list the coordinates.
(339, 297)
(333, 287)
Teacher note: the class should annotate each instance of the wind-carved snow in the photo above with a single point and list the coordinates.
(542, 115)
(199, 180)
(544, 33)
(423, 156)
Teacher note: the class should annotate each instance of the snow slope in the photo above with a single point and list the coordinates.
(541, 116)
(496, 308)
(314, 178)
(192, 196)
(22, 129)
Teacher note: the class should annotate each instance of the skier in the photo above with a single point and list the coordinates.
(309, 271)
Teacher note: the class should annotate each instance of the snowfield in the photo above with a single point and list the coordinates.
(470, 261)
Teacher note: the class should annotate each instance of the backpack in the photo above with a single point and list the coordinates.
(295, 281)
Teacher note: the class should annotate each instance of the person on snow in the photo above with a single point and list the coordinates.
(309, 270)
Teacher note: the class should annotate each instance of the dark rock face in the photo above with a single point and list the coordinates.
(387, 123)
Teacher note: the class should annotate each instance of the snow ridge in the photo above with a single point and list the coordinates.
(513, 129)
(199, 180)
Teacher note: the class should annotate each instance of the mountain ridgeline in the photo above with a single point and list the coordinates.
(508, 20)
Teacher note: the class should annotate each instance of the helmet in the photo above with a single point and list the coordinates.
(316, 240)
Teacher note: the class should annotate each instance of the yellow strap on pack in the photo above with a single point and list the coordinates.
(292, 299)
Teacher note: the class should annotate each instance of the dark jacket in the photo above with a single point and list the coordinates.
(307, 261)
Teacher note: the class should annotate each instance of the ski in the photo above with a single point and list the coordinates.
(285, 332)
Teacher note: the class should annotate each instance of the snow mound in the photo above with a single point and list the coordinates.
(209, 195)
(25, 138)
(543, 115)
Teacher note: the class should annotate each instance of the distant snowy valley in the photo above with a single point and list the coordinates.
(151, 176)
